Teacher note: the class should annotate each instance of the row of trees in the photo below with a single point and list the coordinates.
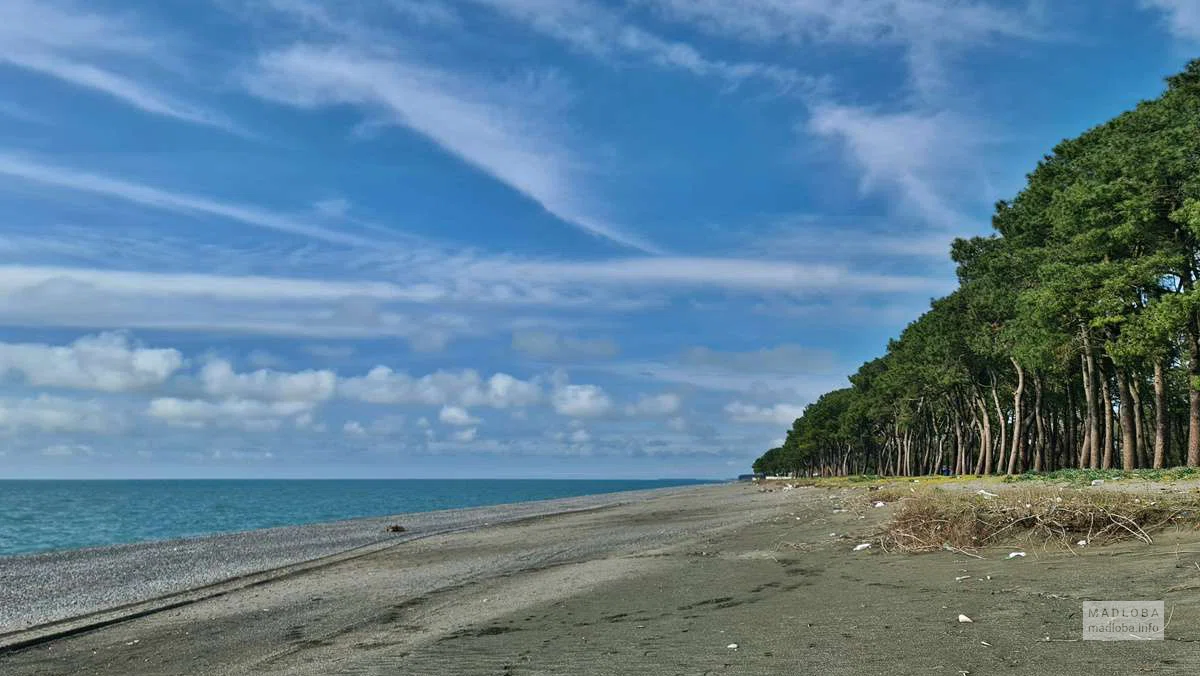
(1073, 338)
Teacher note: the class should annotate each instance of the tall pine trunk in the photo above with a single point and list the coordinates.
(1193, 338)
(1139, 424)
(1067, 418)
(1106, 406)
(984, 463)
(1162, 427)
(1128, 429)
(1092, 455)
(1018, 421)
(960, 457)
(1039, 425)
(1003, 429)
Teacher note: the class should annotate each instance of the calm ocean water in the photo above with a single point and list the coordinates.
(38, 516)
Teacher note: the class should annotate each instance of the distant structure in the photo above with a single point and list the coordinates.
(752, 477)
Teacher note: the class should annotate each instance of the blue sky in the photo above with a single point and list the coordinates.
(535, 238)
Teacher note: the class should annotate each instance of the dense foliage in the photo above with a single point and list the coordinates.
(1073, 338)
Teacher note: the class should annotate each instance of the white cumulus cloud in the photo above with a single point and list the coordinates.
(57, 415)
(220, 380)
(779, 414)
(247, 414)
(108, 362)
(656, 405)
(581, 401)
(382, 385)
(457, 416)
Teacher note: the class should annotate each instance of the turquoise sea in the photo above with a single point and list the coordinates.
(38, 516)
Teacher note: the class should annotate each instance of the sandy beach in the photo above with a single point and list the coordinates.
(662, 582)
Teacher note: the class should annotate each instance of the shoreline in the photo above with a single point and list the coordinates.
(51, 587)
(78, 535)
(729, 578)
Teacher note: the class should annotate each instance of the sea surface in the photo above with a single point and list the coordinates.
(39, 516)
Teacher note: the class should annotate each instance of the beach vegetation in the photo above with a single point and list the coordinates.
(1072, 340)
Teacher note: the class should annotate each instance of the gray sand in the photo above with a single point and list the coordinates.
(664, 584)
(40, 588)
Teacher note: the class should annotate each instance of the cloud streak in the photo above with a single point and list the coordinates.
(464, 118)
(1183, 17)
(15, 166)
(597, 31)
(918, 155)
(64, 41)
(925, 29)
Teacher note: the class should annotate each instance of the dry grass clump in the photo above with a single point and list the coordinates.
(890, 493)
(933, 520)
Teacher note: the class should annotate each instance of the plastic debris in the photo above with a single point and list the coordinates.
(985, 643)
(1097, 482)
(960, 578)
(985, 494)
(1082, 543)
(732, 646)
(1014, 555)
(879, 503)
(865, 545)
(964, 618)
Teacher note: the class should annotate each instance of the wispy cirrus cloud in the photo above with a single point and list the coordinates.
(481, 123)
(1183, 16)
(32, 171)
(80, 46)
(797, 237)
(921, 156)
(846, 21)
(928, 30)
(15, 111)
(598, 31)
(926, 149)
(436, 297)
(550, 345)
(731, 274)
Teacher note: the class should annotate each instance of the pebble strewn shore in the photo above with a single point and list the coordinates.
(40, 588)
